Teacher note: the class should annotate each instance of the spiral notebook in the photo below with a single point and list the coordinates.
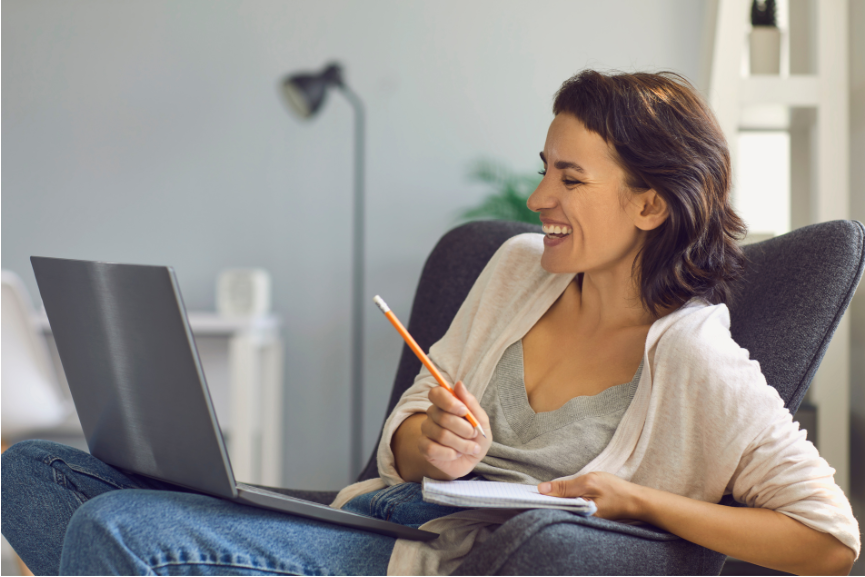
(493, 494)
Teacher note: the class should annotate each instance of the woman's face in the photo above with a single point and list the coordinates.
(587, 212)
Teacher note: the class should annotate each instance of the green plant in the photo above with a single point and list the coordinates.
(509, 196)
(763, 13)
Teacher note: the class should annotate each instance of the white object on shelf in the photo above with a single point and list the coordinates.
(250, 411)
(765, 50)
(820, 187)
(243, 292)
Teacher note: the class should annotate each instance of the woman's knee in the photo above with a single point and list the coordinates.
(98, 518)
(135, 532)
(103, 537)
(139, 518)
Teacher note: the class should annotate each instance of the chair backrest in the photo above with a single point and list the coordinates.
(795, 291)
(32, 398)
(796, 288)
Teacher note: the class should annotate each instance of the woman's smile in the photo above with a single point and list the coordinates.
(556, 234)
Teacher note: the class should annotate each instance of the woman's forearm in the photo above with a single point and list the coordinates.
(760, 536)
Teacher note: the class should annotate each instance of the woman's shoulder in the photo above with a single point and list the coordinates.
(697, 327)
(695, 342)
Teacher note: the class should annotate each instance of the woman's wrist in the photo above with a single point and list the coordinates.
(642, 504)
(404, 447)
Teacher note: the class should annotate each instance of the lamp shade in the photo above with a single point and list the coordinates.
(304, 93)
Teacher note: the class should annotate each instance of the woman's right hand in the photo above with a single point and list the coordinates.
(448, 441)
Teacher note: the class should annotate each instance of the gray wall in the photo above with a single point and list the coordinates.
(857, 308)
(150, 132)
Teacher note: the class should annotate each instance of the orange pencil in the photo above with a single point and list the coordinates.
(422, 356)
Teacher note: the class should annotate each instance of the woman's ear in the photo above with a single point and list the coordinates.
(652, 210)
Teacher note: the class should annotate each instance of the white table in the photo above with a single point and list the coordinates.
(242, 361)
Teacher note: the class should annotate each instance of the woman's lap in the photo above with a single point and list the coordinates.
(168, 533)
(57, 499)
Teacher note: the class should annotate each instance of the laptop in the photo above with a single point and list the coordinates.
(139, 389)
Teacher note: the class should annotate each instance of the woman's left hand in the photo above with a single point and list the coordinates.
(615, 498)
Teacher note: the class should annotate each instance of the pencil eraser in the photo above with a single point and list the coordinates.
(380, 303)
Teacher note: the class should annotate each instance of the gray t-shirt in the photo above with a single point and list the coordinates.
(531, 447)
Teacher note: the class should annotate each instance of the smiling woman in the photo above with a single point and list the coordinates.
(667, 143)
(597, 356)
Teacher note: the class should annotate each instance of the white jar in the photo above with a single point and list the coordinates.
(243, 292)
(765, 50)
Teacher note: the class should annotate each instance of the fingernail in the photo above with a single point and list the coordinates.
(545, 487)
(476, 449)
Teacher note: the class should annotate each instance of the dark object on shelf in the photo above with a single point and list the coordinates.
(763, 13)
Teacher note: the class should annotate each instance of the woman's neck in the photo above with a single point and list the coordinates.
(608, 301)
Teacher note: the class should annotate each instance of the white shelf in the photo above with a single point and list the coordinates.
(820, 155)
(206, 323)
(799, 90)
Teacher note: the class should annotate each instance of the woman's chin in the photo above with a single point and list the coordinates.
(555, 266)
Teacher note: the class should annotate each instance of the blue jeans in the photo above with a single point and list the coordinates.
(63, 514)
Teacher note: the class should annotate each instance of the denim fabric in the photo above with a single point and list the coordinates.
(63, 513)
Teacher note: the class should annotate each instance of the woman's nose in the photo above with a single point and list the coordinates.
(540, 198)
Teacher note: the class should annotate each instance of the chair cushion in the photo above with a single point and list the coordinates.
(550, 542)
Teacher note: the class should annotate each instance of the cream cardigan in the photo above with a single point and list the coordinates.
(702, 424)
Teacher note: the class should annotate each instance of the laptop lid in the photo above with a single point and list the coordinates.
(129, 357)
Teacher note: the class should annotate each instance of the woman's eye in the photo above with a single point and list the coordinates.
(543, 172)
(568, 182)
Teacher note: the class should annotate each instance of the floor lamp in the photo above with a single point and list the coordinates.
(304, 93)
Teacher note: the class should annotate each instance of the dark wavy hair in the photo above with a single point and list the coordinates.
(666, 138)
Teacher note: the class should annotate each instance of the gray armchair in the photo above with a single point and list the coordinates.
(797, 287)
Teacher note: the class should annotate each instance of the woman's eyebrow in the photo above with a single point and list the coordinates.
(564, 164)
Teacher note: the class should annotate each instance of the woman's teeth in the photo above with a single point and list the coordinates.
(556, 231)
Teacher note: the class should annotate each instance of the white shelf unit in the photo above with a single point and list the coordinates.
(815, 90)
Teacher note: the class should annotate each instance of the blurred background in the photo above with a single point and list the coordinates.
(154, 133)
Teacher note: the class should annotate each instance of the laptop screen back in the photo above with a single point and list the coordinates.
(134, 372)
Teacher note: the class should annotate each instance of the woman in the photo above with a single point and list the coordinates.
(597, 357)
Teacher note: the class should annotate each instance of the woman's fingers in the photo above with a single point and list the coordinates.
(444, 400)
(459, 425)
(433, 451)
(583, 486)
(446, 437)
(472, 403)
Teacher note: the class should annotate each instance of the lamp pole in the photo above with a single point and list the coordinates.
(304, 94)
(357, 283)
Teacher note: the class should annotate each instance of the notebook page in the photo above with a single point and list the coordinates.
(499, 495)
